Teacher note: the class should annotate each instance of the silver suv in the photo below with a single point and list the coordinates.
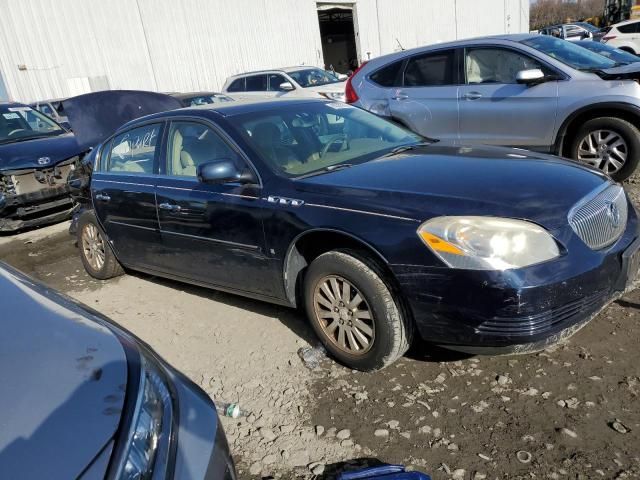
(530, 91)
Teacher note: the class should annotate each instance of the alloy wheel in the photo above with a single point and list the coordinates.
(603, 149)
(344, 315)
(93, 246)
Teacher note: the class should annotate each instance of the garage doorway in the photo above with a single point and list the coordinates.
(337, 33)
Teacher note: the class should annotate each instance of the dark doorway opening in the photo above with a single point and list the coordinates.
(338, 39)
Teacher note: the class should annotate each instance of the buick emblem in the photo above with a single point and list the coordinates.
(614, 214)
(44, 161)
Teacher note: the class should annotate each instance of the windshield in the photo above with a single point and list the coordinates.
(303, 139)
(587, 26)
(206, 99)
(22, 123)
(313, 77)
(612, 53)
(569, 53)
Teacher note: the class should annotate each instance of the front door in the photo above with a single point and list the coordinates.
(123, 190)
(211, 233)
(427, 101)
(496, 110)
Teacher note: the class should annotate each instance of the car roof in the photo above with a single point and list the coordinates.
(193, 94)
(626, 22)
(274, 70)
(49, 100)
(12, 104)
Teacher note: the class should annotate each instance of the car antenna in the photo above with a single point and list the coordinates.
(399, 44)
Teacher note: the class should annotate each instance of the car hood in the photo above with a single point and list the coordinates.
(38, 152)
(442, 179)
(330, 87)
(63, 378)
(623, 72)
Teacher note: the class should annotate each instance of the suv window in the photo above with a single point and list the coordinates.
(630, 28)
(191, 144)
(275, 80)
(431, 69)
(46, 109)
(134, 151)
(236, 85)
(388, 76)
(256, 83)
(496, 65)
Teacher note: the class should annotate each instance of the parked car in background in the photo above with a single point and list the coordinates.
(89, 400)
(530, 91)
(375, 230)
(194, 99)
(619, 56)
(572, 32)
(287, 82)
(53, 109)
(624, 35)
(36, 156)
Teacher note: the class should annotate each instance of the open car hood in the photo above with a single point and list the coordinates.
(95, 116)
(623, 72)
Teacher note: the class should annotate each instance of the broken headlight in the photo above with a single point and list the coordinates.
(488, 243)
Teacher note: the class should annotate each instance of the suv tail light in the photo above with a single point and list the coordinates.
(350, 93)
(607, 38)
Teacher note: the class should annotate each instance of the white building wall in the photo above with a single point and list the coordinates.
(68, 46)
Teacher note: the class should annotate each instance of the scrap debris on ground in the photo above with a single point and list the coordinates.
(569, 412)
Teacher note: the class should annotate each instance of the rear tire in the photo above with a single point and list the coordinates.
(345, 292)
(95, 252)
(587, 148)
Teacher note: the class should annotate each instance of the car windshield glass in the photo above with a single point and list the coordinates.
(312, 77)
(587, 26)
(207, 99)
(312, 138)
(22, 123)
(612, 53)
(569, 53)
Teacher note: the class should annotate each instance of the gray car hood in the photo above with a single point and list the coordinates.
(63, 380)
(628, 72)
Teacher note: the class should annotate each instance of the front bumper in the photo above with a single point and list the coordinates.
(522, 310)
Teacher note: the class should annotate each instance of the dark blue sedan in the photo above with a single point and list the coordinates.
(36, 157)
(378, 233)
(84, 399)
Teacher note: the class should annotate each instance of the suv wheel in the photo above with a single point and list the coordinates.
(609, 144)
(95, 252)
(353, 311)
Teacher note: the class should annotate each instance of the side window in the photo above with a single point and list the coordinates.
(191, 144)
(237, 85)
(630, 28)
(430, 70)
(46, 109)
(496, 65)
(257, 83)
(134, 151)
(275, 81)
(388, 76)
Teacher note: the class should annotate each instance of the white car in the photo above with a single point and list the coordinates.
(287, 82)
(624, 35)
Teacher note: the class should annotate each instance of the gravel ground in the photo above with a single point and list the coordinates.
(568, 412)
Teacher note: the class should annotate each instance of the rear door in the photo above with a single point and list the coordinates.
(427, 100)
(496, 110)
(255, 86)
(123, 192)
(211, 233)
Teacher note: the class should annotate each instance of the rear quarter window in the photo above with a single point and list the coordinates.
(236, 86)
(389, 76)
(629, 28)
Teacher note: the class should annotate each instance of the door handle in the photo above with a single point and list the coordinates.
(472, 96)
(170, 207)
(102, 197)
(400, 96)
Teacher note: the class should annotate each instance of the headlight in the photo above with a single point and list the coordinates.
(487, 243)
(148, 441)
(339, 96)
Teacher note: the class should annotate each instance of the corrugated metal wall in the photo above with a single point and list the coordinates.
(52, 48)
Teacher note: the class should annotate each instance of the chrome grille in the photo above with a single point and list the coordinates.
(601, 217)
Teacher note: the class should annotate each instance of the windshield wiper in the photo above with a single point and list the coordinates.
(330, 168)
(407, 148)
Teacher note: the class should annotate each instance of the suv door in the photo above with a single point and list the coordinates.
(495, 109)
(275, 80)
(123, 193)
(427, 96)
(256, 86)
(211, 233)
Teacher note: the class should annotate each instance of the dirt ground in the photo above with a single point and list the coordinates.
(570, 412)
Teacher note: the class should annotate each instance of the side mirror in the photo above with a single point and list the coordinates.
(222, 171)
(342, 76)
(286, 86)
(530, 77)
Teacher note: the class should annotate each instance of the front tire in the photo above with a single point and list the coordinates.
(95, 252)
(610, 144)
(354, 312)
